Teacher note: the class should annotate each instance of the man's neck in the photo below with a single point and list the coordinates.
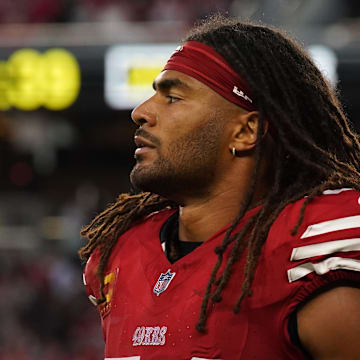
(201, 219)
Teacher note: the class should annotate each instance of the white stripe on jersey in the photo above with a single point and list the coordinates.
(325, 248)
(138, 358)
(163, 245)
(125, 358)
(336, 191)
(333, 263)
(325, 227)
(92, 299)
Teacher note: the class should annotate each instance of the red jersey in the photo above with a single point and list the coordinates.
(152, 306)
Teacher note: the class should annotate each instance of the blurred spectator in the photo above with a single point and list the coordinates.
(44, 310)
(45, 11)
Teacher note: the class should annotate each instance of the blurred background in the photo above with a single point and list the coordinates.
(70, 73)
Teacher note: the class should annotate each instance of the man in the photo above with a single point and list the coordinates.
(245, 242)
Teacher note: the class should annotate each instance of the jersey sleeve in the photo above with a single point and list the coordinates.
(326, 252)
(90, 279)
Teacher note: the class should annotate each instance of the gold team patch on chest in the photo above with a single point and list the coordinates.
(109, 283)
(163, 282)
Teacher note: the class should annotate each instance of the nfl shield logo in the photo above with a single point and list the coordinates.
(163, 282)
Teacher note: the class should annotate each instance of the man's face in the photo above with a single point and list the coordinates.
(180, 137)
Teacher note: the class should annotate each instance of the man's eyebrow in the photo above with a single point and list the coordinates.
(167, 84)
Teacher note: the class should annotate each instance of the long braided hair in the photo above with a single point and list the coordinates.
(315, 149)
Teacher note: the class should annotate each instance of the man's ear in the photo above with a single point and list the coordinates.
(245, 131)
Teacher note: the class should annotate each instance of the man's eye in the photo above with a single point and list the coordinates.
(172, 99)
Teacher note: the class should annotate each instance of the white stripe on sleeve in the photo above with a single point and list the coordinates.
(336, 191)
(92, 299)
(125, 358)
(333, 263)
(325, 227)
(163, 246)
(325, 248)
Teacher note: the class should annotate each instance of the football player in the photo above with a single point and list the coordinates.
(242, 240)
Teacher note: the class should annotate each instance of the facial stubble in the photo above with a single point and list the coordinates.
(186, 167)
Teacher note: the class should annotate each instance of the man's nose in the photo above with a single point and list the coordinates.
(143, 114)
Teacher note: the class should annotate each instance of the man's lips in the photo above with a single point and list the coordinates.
(143, 145)
(142, 142)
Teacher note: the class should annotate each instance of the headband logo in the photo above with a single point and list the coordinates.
(178, 49)
(241, 93)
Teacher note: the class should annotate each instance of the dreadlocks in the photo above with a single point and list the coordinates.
(315, 149)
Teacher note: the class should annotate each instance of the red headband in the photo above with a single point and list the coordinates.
(203, 63)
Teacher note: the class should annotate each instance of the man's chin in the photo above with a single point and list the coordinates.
(140, 179)
(143, 180)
